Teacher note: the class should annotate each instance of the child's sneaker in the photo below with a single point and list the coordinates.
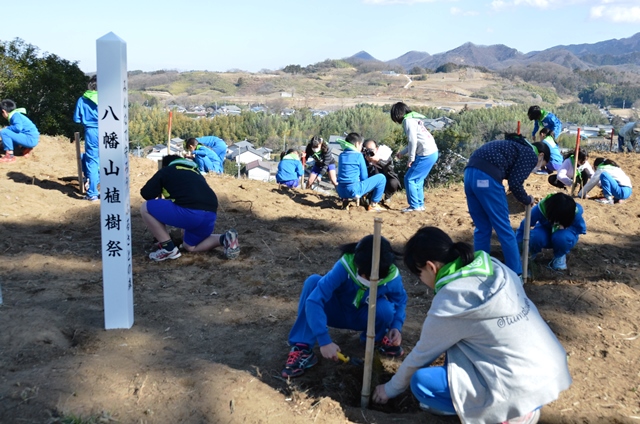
(387, 349)
(559, 264)
(300, 358)
(374, 207)
(26, 152)
(606, 200)
(163, 254)
(91, 198)
(411, 209)
(231, 245)
(8, 158)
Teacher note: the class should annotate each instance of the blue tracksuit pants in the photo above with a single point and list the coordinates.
(431, 387)
(10, 137)
(414, 179)
(375, 184)
(91, 160)
(205, 164)
(610, 187)
(489, 210)
(339, 317)
(542, 237)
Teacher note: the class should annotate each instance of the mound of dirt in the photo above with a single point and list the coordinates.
(210, 335)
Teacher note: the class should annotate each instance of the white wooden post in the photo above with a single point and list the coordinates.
(115, 209)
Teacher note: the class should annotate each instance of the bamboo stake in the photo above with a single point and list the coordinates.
(525, 243)
(518, 130)
(76, 137)
(575, 164)
(169, 137)
(371, 321)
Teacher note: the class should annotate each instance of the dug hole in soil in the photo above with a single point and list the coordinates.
(210, 335)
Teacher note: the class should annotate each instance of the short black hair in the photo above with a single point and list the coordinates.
(560, 208)
(534, 113)
(93, 83)
(166, 160)
(604, 161)
(191, 142)
(398, 111)
(8, 105)
(363, 253)
(375, 143)
(354, 138)
(433, 244)
(582, 155)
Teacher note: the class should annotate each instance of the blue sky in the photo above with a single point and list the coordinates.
(219, 35)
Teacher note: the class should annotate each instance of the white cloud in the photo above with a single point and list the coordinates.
(490, 30)
(622, 13)
(539, 4)
(461, 12)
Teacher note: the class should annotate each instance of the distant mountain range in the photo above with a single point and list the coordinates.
(623, 52)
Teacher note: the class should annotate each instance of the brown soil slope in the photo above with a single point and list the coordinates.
(209, 337)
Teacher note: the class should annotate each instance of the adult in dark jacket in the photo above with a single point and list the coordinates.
(380, 161)
(190, 204)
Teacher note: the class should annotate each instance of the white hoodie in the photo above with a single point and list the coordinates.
(503, 360)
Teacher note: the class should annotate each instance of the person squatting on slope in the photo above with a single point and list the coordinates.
(86, 113)
(380, 161)
(190, 204)
(544, 119)
(422, 154)
(290, 171)
(323, 161)
(628, 136)
(217, 144)
(511, 159)
(340, 298)
(21, 131)
(615, 184)
(205, 157)
(567, 172)
(555, 158)
(503, 362)
(353, 178)
(557, 223)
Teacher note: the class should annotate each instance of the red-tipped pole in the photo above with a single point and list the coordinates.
(576, 154)
(518, 130)
(611, 142)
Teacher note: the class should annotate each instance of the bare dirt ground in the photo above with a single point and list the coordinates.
(209, 338)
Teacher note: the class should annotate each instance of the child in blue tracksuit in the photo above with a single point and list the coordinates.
(86, 113)
(557, 223)
(205, 157)
(555, 158)
(290, 171)
(353, 178)
(217, 144)
(615, 184)
(422, 151)
(513, 160)
(20, 131)
(340, 299)
(544, 119)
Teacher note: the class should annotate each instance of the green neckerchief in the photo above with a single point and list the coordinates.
(481, 266)
(543, 114)
(543, 206)
(347, 262)
(605, 167)
(346, 145)
(19, 110)
(291, 156)
(91, 95)
(415, 115)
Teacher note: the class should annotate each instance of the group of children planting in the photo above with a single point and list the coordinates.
(502, 361)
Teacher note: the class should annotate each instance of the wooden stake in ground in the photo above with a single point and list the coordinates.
(525, 242)
(76, 137)
(575, 164)
(371, 320)
(518, 129)
(169, 137)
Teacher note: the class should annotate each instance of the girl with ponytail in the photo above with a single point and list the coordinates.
(502, 363)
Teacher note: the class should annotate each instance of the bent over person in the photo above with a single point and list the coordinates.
(190, 204)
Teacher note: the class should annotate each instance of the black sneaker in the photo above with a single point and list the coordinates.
(300, 358)
(387, 349)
